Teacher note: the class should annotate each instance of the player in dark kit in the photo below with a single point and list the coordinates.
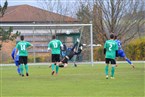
(76, 50)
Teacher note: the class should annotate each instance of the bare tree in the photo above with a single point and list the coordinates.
(114, 16)
(59, 12)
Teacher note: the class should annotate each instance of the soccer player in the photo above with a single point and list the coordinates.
(63, 50)
(23, 54)
(110, 51)
(16, 60)
(74, 51)
(121, 52)
(55, 45)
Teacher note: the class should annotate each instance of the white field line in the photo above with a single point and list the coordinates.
(99, 62)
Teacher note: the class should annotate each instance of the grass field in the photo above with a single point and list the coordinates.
(83, 81)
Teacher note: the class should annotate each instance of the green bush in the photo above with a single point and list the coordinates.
(135, 50)
(30, 59)
(99, 54)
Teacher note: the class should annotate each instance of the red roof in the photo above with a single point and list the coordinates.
(27, 13)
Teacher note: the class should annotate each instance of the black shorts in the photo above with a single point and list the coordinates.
(107, 60)
(23, 59)
(64, 60)
(55, 57)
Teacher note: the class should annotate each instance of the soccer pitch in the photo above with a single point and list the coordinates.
(82, 81)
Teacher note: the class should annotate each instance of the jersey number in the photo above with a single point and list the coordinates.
(23, 47)
(110, 48)
(55, 45)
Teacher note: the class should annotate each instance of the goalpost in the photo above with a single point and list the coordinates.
(32, 29)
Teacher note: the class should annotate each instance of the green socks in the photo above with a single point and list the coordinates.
(21, 69)
(106, 69)
(26, 68)
(112, 71)
(52, 67)
(57, 68)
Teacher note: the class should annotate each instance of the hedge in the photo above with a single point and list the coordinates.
(135, 50)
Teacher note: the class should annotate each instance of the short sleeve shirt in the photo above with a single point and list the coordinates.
(22, 47)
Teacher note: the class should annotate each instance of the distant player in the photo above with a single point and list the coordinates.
(74, 51)
(55, 46)
(121, 52)
(23, 54)
(16, 60)
(110, 51)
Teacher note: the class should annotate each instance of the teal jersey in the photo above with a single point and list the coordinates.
(22, 47)
(111, 47)
(55, 46)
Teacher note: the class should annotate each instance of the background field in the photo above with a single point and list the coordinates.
(83, 81)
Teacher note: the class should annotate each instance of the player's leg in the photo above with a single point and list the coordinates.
(18, 67)
(26, 65)
(53, 64)
(63, 62)
(57, 59)
(106, 67)
(122, 54)
(113, 63)
(21, 65)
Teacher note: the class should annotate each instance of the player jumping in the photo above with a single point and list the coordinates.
(74, 51)
(121, 52)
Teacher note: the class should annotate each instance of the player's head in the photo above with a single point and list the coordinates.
(115, 37)
(111, 36)
(22, 37)
(53, 36)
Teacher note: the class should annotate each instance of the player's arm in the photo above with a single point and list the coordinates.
(13, 53)
(16, 51)
(49, 47)
(105, 48)
(30, 45)
(104, 51)
(116, 50)
(79, 50)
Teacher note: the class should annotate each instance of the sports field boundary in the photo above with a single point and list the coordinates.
(79, 63)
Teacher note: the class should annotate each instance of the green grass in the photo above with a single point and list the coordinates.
(83, 81)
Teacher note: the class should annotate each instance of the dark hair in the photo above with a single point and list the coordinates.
(115, 37)
(112, 36)
(22, 37)
(53, 37)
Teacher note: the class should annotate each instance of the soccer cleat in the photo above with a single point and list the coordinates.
(27, 74)
(84, 44)
(116, 65)
(52, 72)
(106, 76)
(132, 66)
(49, 66)
(75, 65)
(112, 78)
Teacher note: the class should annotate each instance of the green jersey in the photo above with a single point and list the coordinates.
(111, 47)
(22, 47)
(55, 46)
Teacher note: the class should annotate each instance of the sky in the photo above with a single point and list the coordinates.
(41, 4)
(20, 2)
(29, 2)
